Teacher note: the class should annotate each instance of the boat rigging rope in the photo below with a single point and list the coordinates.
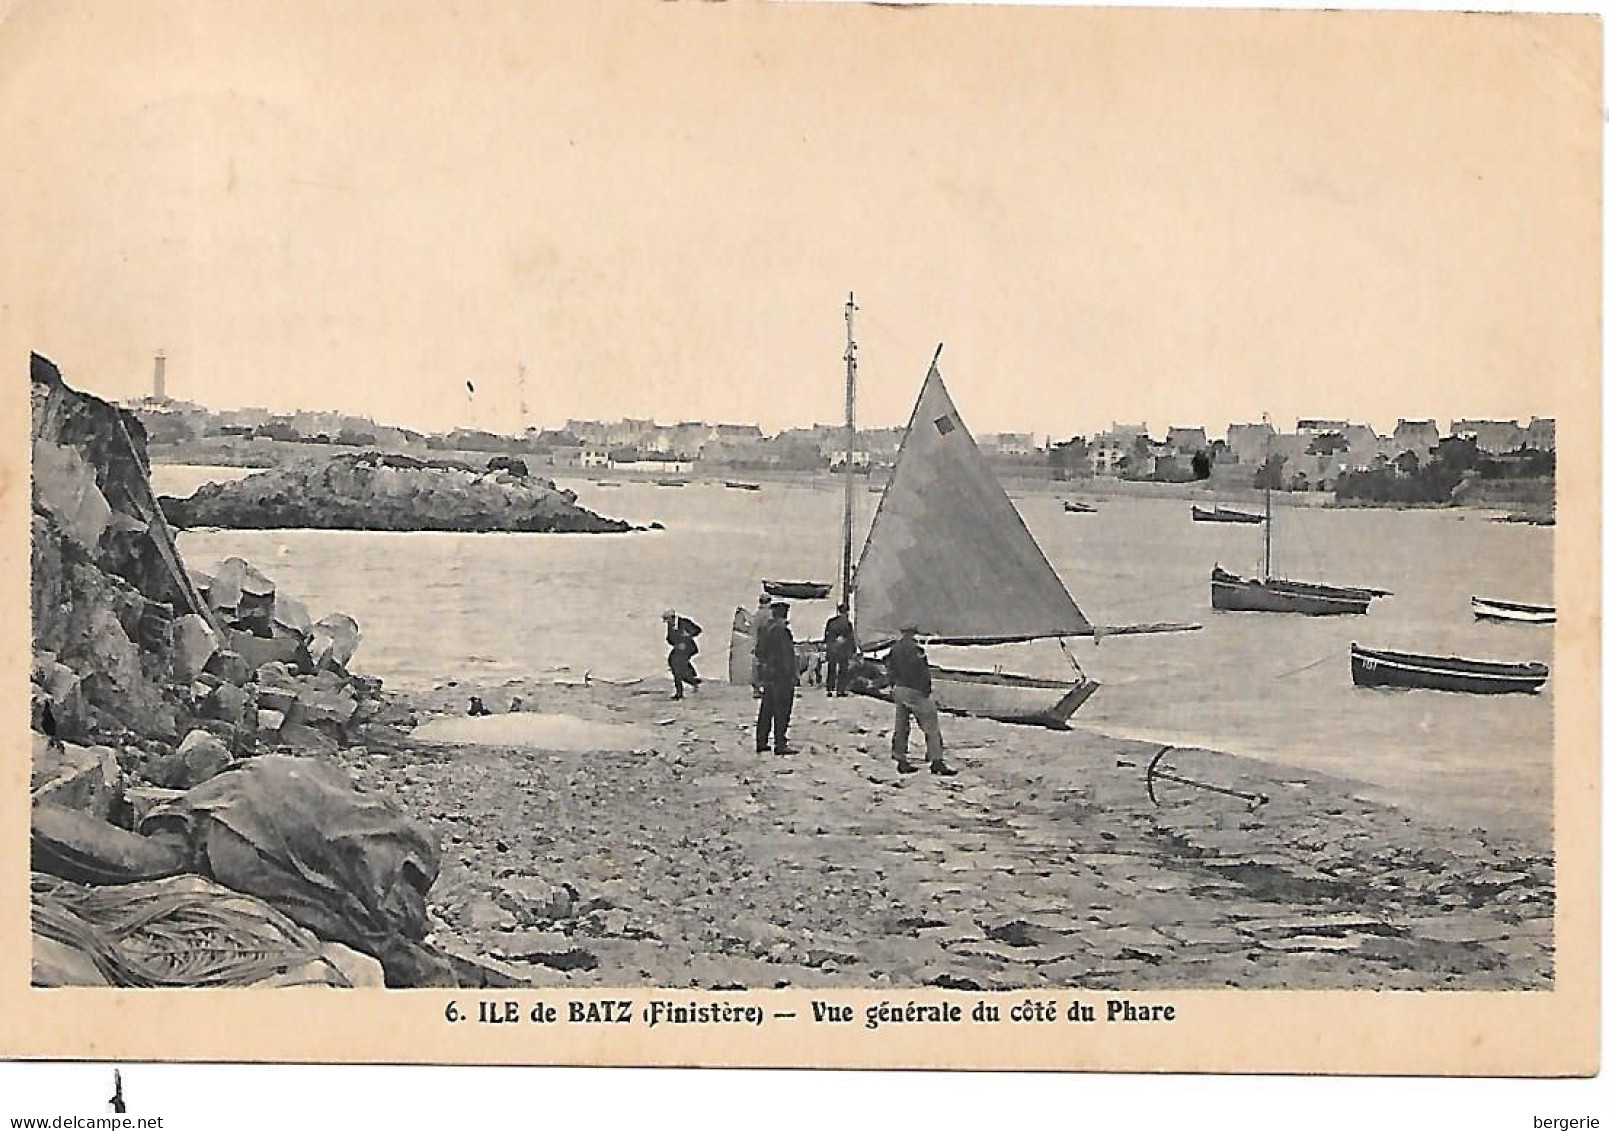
(1072, 659)
(1328, 656)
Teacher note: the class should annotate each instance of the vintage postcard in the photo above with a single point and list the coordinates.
(803, 534)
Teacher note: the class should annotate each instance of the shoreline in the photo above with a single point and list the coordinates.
(697, 862)
(269, 455)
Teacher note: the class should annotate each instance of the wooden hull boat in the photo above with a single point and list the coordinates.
(1078, 508)
(1489, 608)
(742, 486)
(797, 590)
(1376, 668)
(1269, 593)
(670, 482)
(1024, 700)
(1232, 593)
(1222, 514)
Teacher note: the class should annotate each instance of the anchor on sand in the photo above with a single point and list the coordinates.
(1257, 800)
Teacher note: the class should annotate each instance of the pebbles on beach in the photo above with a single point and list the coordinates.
(1044, 864)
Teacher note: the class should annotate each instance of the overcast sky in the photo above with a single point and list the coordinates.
(1175, 217)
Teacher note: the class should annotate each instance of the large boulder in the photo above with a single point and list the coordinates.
(75, 777)
(228, 704)
(331, 707)
(65, 488)
(194, 644)
(260, 650)
(58, 690)
(200, 756)
(230, 666)
(333, 641)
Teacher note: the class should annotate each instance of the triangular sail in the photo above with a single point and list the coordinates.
(948, 551)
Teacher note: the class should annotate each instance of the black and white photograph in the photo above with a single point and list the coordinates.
(808, 533)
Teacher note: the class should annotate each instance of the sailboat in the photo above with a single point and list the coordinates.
(948, 551)
(1270, 594)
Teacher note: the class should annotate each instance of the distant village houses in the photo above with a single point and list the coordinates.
(1311, 457)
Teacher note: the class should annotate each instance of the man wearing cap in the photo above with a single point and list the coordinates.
(762, 625)
(911, 685)
(779, 671)
(679, 634)
(840, 637)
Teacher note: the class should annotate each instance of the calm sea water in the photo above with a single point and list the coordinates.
(436, 606)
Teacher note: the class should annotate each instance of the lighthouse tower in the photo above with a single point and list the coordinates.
(159, 379)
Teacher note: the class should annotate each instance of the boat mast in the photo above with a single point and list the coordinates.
(849, 442)
(1268, 504)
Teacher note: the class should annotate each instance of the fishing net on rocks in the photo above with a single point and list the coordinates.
(298, 834)
(184, 931)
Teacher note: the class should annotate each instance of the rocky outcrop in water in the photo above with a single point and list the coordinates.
(379, 491)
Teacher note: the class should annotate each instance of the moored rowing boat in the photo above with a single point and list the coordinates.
(797, 590)
(1373, 667)
(1222, 514)
(1489, 608)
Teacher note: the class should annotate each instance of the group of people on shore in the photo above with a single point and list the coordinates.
(776, 673)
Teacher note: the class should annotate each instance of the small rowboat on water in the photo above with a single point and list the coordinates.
(737, 486)
(797, 590)
(1489, 608)
(1222, 514)
(1373, 667)
(1077, 508)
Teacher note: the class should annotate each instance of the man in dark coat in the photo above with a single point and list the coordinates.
(757, 629)
(679, 634)
(779, 671)
(911, 685)
(840, 644)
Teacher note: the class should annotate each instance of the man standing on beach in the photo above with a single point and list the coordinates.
(911, 684)
(757, 629)
(779, 671)
(840, 641)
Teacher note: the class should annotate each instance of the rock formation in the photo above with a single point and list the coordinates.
(379, 491)
(150, 680)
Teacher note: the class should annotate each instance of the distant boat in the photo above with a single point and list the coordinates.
(1078, 508)
(797, 590)
(736, 486)
(1375, 668)
(1489, 608)
(670, 482)
(1234, 594)
(1222, 514)
(1527, 519)
(1271, 594)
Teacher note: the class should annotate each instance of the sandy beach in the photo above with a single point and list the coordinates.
(690, 860)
